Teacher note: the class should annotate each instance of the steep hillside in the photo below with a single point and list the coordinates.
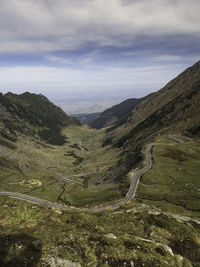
(115, 113)
(33, 115)
(86, 118)
(173, 109)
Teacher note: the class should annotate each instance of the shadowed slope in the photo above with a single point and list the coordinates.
(115, 113)
(174, 108)
(32, 114)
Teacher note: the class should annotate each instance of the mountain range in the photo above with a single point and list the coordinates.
(110, 116)
(121, 191)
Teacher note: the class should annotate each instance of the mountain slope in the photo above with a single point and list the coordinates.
(115, 113)
(173, 108)
(86, 118)
(32, 114)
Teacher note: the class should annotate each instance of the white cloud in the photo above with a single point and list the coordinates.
(61, 60)
(173, 58)
(50, 29)
(167, 58)
(49, 25)
(87, 90)
(76, 82)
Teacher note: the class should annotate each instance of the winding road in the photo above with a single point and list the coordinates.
(135, 177)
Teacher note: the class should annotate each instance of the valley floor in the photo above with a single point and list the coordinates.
(71, 174)
(160, 228)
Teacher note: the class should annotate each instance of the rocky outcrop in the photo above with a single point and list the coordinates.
(56, 262)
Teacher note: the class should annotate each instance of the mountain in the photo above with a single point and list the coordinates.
(32, 114)
(114, 114)
(159, 227)
(173, 109)
(86, 118)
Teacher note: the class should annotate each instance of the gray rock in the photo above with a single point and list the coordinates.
(111, 235)
(56, 262)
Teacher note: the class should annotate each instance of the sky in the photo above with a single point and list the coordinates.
(86, 55)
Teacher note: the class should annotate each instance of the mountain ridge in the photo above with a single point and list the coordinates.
(184, 87)
(113, 114)
(86, 118)
(109, 116)
(173, 109)
(34, 115)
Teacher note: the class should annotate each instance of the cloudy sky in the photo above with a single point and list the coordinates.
(86, 55)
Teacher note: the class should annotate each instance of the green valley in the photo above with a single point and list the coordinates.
(124, 195)
(38, 169)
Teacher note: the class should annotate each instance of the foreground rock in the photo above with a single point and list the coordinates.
(56, 262)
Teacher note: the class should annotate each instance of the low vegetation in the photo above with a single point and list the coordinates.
(173, 182)
(38, 169)
(134, 235)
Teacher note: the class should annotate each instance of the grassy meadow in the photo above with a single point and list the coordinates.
(143, 232)
(133, 235)
(173, 183)
(34, 168)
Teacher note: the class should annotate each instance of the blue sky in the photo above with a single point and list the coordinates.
(86, 55)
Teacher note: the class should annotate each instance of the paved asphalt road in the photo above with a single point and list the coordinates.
(130, 194)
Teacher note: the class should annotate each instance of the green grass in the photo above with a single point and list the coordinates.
(83, 236)
(173, 182)
(82, 153)
(91, 196)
